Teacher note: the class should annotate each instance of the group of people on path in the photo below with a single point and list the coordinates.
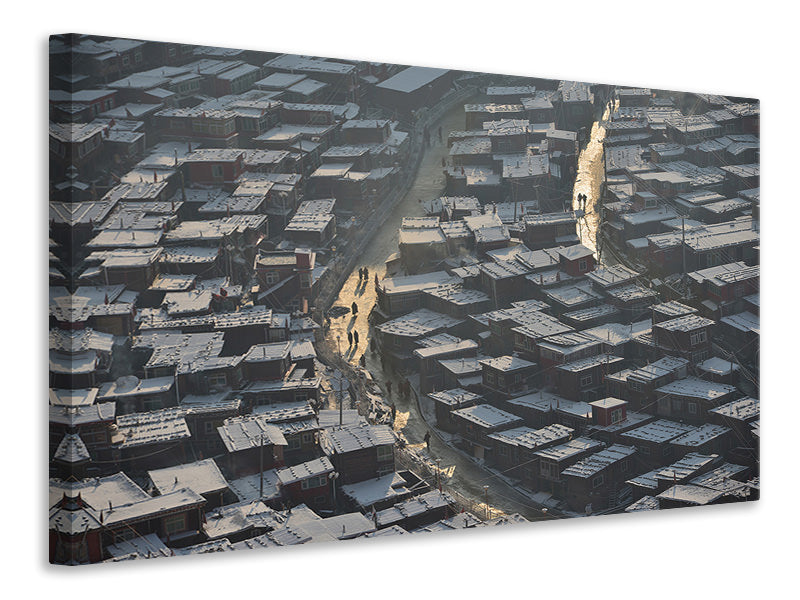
(352, 337)
(582, 198)
(363, 274)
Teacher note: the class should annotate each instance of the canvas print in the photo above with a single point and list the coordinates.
(299, 299)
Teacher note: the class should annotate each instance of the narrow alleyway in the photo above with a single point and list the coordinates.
(465, 475)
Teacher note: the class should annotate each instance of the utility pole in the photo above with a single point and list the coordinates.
(683, 242)
(177, 391)
(261, 469)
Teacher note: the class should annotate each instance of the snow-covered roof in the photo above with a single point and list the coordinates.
(694, 387)
(202, 476)
(718, 366)
(236, 518)
(723, 478)
(419, 323)
(507, 363)
(744, 321)
(487, 416)
(570, 448)
(743, 409)
(686, 467)
(415, 506)
(247, 488)
(368, 492)
(351, 438)
(154, 427)
(305, 470)
(454, 397)
(530, 438)
(244, 433)
(140, 547)
(691, 494)
(590, 362)
(595, 463)
(644, 503)
(657, 432)
(415, 283)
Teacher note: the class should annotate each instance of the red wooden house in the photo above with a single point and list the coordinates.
(309, 483)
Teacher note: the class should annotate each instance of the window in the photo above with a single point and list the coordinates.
(271, 277)
(692, 407)
(616, 416)
(126, 60)
(697, 337)
(548, 470)
(582, 266)
(586, 380)
(597, 481)
(172, 52)
(308, 437)
(137, 56)
(645, 450)
(666, 451)
(293, 442)
(502, 450)
(385, 453)
(174, 524)
(217, 172)
(313, 482)
(208, 427)
(677, 405)
(217, 380)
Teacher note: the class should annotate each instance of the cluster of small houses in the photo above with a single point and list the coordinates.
(631, 385)
(522, 143)
(193, 212)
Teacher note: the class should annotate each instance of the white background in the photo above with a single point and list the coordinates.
(736, 48)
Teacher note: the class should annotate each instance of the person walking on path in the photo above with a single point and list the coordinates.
(427, 439)
(355, 337)
(394, 412)
(366, 273)
(354, 308)
(350, 337)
